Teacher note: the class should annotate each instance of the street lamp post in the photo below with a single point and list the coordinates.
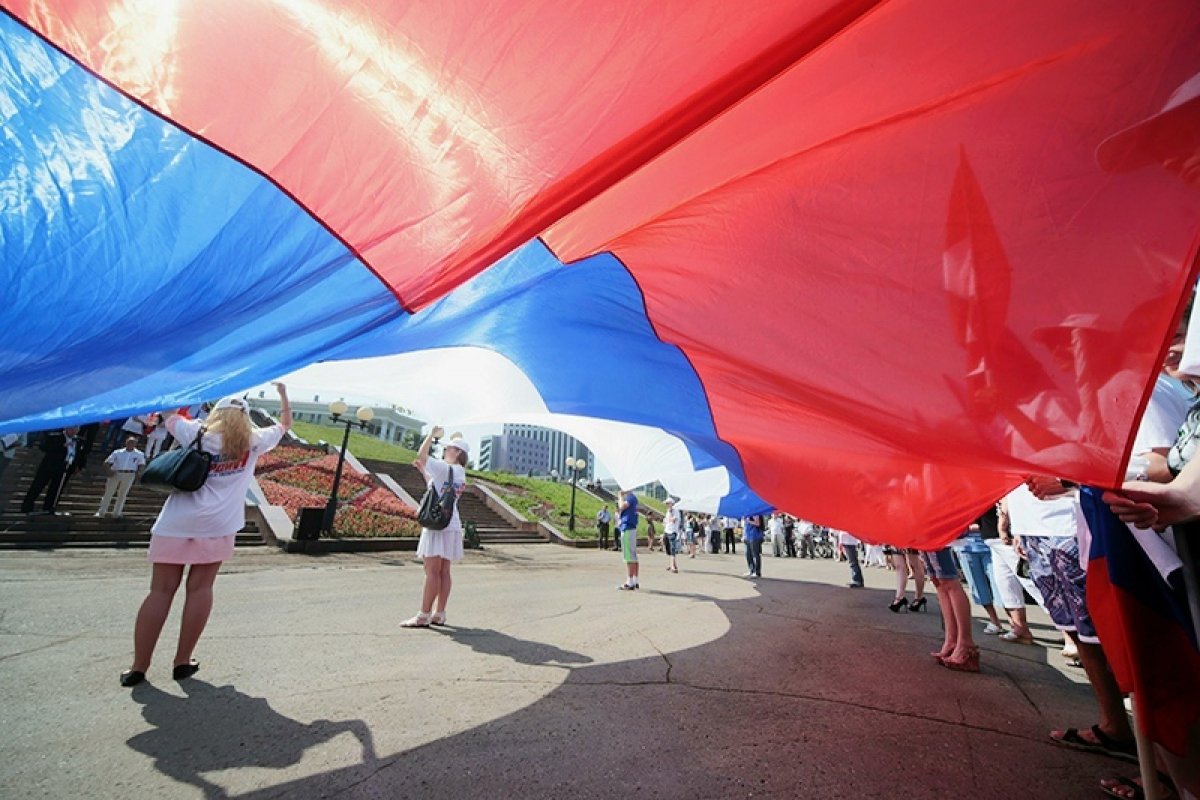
(575, 465)
(363, 416)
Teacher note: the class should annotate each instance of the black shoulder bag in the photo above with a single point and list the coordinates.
(436, 509)
(184, 469)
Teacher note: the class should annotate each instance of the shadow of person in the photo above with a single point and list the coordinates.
(494, 643)
(216, 728)
(702, 598)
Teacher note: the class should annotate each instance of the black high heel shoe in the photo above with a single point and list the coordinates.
(917, 605)
(898, 604)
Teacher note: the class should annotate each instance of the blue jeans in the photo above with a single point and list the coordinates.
(856, 577)
(754, 557)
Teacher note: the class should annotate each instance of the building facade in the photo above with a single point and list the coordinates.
(534, 450)
(389, 424)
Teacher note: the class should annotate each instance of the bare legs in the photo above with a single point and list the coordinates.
(1113, 720)
(909, 564)
(917, 567)
(436, 591)
(958, 644)
(433, 584)
(152, 615)
(196, 608)
(1018, 623)
(443, 595)
(901, 566)
(992, 615)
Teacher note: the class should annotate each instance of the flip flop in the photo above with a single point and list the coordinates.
(1104, 744)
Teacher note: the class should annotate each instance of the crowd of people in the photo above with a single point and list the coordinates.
(128, 444)
(1033, 543)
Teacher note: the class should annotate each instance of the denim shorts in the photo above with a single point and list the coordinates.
(939, 564)
(976, 559)
(1054, 568)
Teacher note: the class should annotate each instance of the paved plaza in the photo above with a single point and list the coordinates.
(549, 683)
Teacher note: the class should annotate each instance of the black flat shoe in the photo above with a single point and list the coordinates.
(131, 677)
(187, 670)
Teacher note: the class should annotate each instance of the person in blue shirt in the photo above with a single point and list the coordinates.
(627, 522)
(752, 535)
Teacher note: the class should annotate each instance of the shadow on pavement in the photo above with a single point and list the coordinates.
(217, 728)
(830, 704)
(495, 643)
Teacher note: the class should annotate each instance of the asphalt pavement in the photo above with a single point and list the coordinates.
(548, 683)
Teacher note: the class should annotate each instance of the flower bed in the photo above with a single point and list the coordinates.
(360, 522)
(284, 456)
(313, 477)
(296, 478)
(290, 498)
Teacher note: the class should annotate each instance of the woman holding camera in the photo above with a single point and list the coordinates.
(196, 530)
(439, 549)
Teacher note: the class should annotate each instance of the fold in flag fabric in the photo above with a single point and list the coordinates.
(868, 262)
(1145, 625)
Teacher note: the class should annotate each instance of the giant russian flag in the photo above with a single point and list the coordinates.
(869, 262)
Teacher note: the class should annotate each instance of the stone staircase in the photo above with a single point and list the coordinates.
(81, 499)
(472, 506)
(603, 494)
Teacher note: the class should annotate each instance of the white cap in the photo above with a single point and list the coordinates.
(460, 444)
(232, 402)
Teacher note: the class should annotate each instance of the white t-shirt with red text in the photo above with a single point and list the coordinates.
(218, 508)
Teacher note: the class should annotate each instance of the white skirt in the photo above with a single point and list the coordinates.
(446, 544)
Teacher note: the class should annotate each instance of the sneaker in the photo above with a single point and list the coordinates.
(855, 585)
(747, 574)
(97, 514)
(419, 621)
(992, 629)
(627, 587)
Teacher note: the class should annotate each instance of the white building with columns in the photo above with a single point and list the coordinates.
(390, 424)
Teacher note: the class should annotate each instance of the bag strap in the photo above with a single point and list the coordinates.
(199, 438)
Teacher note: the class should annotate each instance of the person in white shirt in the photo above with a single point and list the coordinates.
(775, 527)
(196, 530)
(124, 466)
(807, 539)
(603, 518)
(135, 426)
(672, 528)
(156, 436)
(849, 544)
(439, 549)
(9, 443)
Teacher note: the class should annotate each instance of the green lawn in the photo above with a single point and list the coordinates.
(361, 444)
(538, 499)
(544, 500)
